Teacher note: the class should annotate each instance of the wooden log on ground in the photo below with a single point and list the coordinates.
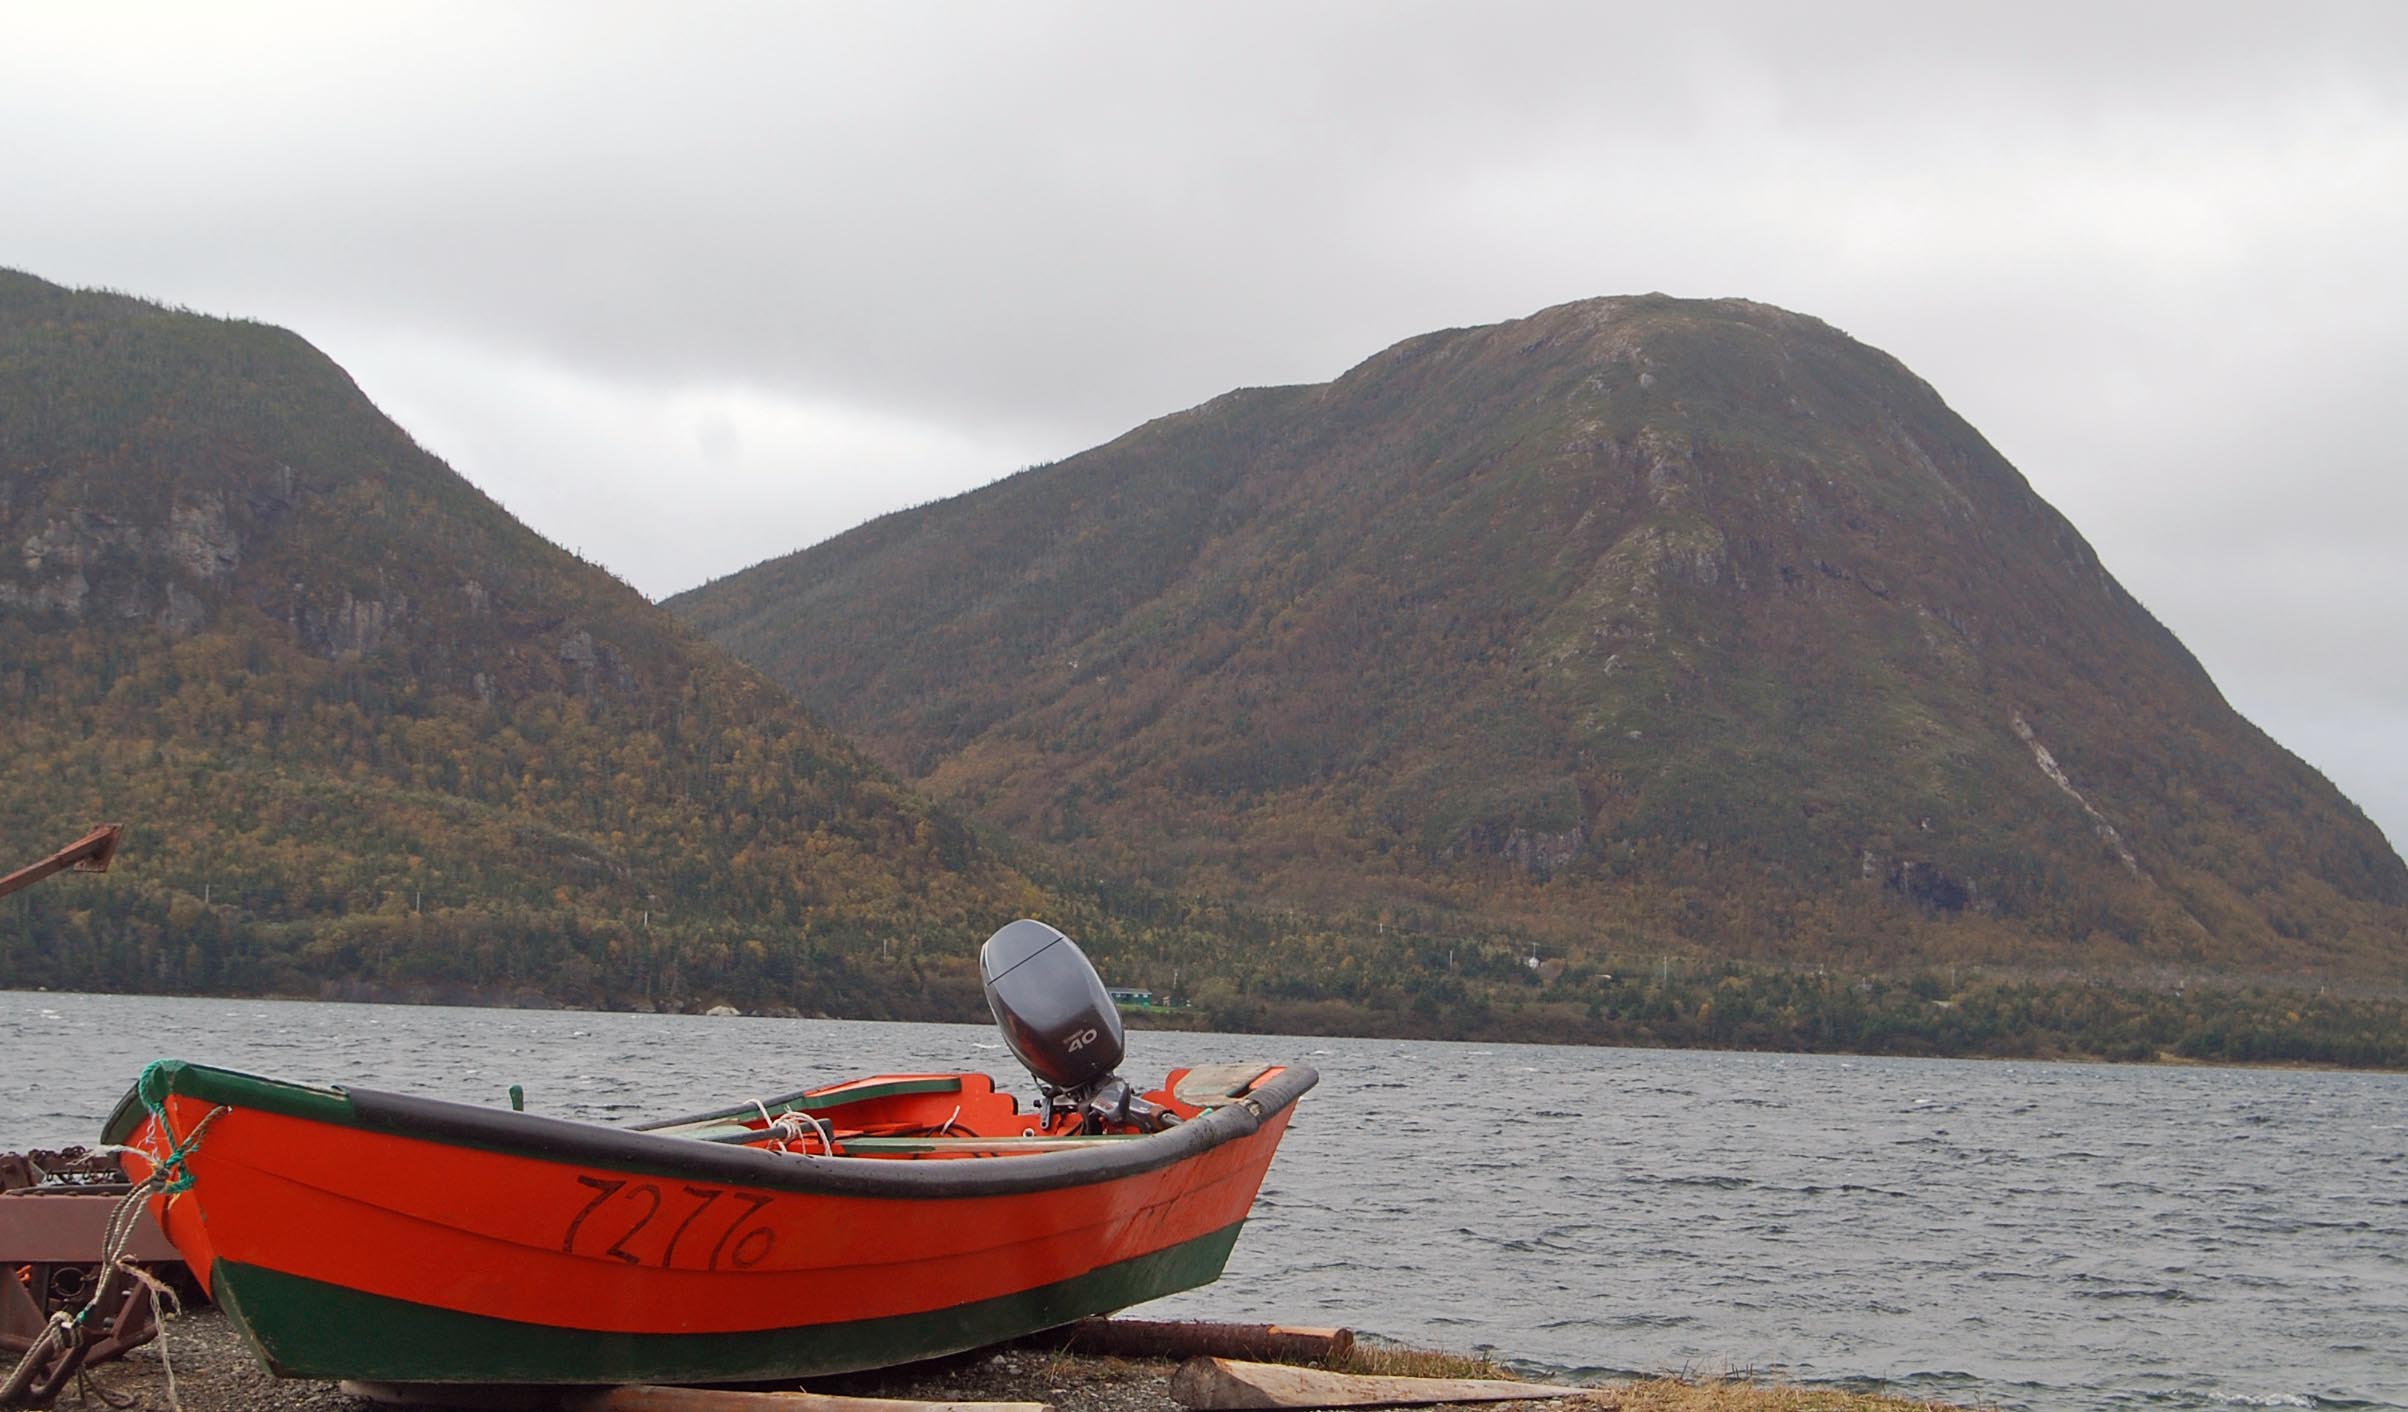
(1195, 1338)
(1224, 1385)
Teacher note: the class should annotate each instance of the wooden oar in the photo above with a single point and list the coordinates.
(1225, 1385)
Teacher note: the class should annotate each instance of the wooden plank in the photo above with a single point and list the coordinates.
(1225, 1385)
(1211, 1085)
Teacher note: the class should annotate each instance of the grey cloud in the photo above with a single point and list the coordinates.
(845, 258)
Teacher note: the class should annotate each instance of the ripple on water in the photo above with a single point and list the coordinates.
(2044, 1236)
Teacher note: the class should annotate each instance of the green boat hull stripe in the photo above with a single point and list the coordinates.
(305, 1328)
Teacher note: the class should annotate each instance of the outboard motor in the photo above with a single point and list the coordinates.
(1061, 1024)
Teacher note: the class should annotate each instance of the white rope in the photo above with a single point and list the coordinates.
(159, 1291)
(60, 1321)
(118, 1234)
(827, 1135)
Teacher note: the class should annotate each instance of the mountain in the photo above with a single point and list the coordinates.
(1642, 626)
(371, 735)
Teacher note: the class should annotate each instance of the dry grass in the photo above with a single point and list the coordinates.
(1711, 1394)
(1724, 1395)
(1392, 1361)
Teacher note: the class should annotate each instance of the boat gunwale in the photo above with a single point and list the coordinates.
(568, 1141)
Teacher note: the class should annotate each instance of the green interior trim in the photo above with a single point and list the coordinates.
(701, 1124)
(875, 1146)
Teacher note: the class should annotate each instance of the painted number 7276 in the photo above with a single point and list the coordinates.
(696, 1211)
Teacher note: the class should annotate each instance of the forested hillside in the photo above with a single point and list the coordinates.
(374, 738)
(1641, 626)
(371, 735)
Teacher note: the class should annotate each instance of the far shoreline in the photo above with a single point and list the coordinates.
(2162, 1059)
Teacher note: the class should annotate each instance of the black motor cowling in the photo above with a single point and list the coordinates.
(1060, 1022)
(1051, 1005)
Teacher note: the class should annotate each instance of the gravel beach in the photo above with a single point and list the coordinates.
(213, 1372)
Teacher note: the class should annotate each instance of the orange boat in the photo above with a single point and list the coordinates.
(391, 1238)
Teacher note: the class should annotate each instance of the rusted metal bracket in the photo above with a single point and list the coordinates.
(90, 854)
(55, 1209)
(121, 1320)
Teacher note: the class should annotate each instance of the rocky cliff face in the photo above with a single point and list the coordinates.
(368, 727)
(156, 571)
(162, 468)
(1638, 617)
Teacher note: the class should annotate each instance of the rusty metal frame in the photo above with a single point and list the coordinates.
(90, 854)
(55, 1212)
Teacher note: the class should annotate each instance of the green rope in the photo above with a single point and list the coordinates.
(153, 1088)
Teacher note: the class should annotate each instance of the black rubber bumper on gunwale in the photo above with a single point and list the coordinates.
(620, 1149)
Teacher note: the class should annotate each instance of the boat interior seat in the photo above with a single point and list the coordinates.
(1214, 1085)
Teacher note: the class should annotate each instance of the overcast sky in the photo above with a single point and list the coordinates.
(688, 286)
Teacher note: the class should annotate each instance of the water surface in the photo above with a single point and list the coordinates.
(2046, 1236)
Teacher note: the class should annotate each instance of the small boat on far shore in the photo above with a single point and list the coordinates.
(391, 1238)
